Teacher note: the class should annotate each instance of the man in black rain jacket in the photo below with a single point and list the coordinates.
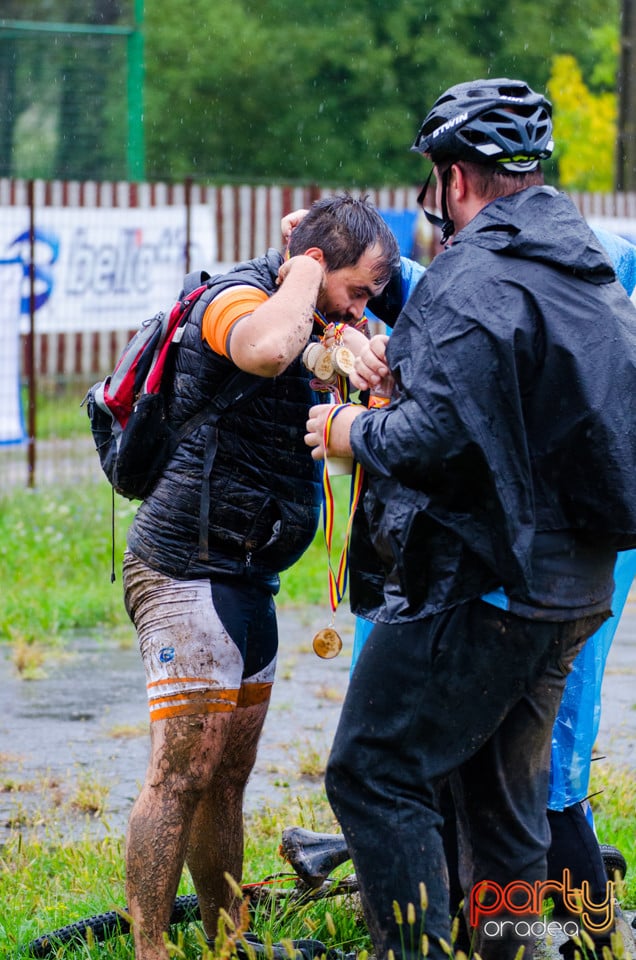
(501, 482)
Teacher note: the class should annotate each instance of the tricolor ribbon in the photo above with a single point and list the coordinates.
(322, 322)
(338, 581)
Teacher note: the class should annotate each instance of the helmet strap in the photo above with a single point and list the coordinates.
(444, 223)
(448, 225)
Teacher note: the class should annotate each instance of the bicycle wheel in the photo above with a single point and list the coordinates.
(613, 861)
(103, 926)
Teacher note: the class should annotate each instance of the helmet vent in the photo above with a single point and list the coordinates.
(515, 90)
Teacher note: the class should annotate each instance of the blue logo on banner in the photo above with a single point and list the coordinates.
(47, 250)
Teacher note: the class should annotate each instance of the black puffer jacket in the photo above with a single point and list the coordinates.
(512, 443)
(264, 487)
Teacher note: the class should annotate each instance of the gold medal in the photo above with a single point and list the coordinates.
(327, 644)
(311, 353)
(343, 360)
(323, 365)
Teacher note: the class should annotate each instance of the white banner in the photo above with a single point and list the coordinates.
(96, 268)
(104, 268)
(11, 424)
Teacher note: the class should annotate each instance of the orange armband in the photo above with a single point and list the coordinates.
(375, 401)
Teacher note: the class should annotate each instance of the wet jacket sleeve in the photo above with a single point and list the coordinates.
(398, 441)
(388, 305)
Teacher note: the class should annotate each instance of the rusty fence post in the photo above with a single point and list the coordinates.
(30, 345)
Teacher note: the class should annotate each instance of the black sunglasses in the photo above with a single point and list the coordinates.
(433, 218)
(444, 223)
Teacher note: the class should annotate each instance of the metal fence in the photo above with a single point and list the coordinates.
(85, 273)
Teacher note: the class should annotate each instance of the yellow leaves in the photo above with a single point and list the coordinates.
(584, 129)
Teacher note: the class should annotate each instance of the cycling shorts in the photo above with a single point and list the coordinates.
(206, 646)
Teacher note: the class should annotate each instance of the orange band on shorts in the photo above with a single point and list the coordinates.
(190, 703)
(253, 693)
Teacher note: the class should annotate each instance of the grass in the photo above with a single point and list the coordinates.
(46, 883)
(55, 549)
(58, 412)
(55, 552)
(613, 806)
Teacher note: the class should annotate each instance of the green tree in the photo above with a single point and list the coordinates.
(326, 92)
(264, 91)
(584, 128)
(63, 92)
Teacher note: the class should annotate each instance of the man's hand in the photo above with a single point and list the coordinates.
(290, 221)
(354, 340)
(339, 429)
(371, 370)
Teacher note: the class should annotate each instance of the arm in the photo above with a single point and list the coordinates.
(339, 445)
(622, 253)
(388, 305)
(267, 340)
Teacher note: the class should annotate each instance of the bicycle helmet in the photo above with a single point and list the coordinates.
(498, 122)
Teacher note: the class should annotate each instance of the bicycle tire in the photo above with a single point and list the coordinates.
(613, 861)
(104, 926)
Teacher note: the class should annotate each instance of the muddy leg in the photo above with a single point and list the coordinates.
(185, 754)
(216, 835)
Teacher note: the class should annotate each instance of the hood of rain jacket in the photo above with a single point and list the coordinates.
(515, 365)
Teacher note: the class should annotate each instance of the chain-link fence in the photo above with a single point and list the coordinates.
(70, 108)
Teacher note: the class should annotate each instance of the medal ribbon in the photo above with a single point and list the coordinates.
(338, 581)
(340, 388)
(358, 325)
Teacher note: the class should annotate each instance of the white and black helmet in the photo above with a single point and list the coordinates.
(497, 122)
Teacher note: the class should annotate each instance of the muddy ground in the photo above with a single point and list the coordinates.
(73, 744)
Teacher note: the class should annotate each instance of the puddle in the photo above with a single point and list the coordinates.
(79, 736)
(80, 733)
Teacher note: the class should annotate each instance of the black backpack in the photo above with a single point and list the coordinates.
(127, 410)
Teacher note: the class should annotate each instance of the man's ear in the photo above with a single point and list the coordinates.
(318, 255)
(457, 182)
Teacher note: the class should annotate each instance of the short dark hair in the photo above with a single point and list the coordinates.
(490, 181)
(344, 228)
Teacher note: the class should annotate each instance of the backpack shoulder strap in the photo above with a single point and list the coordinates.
(237, 389)
(193, 280)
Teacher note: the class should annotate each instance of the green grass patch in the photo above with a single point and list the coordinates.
(613, 807)
(55, 551)
(48, 883)
(58, 411)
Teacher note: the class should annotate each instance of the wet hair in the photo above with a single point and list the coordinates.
(490, 182)
(344, 228)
